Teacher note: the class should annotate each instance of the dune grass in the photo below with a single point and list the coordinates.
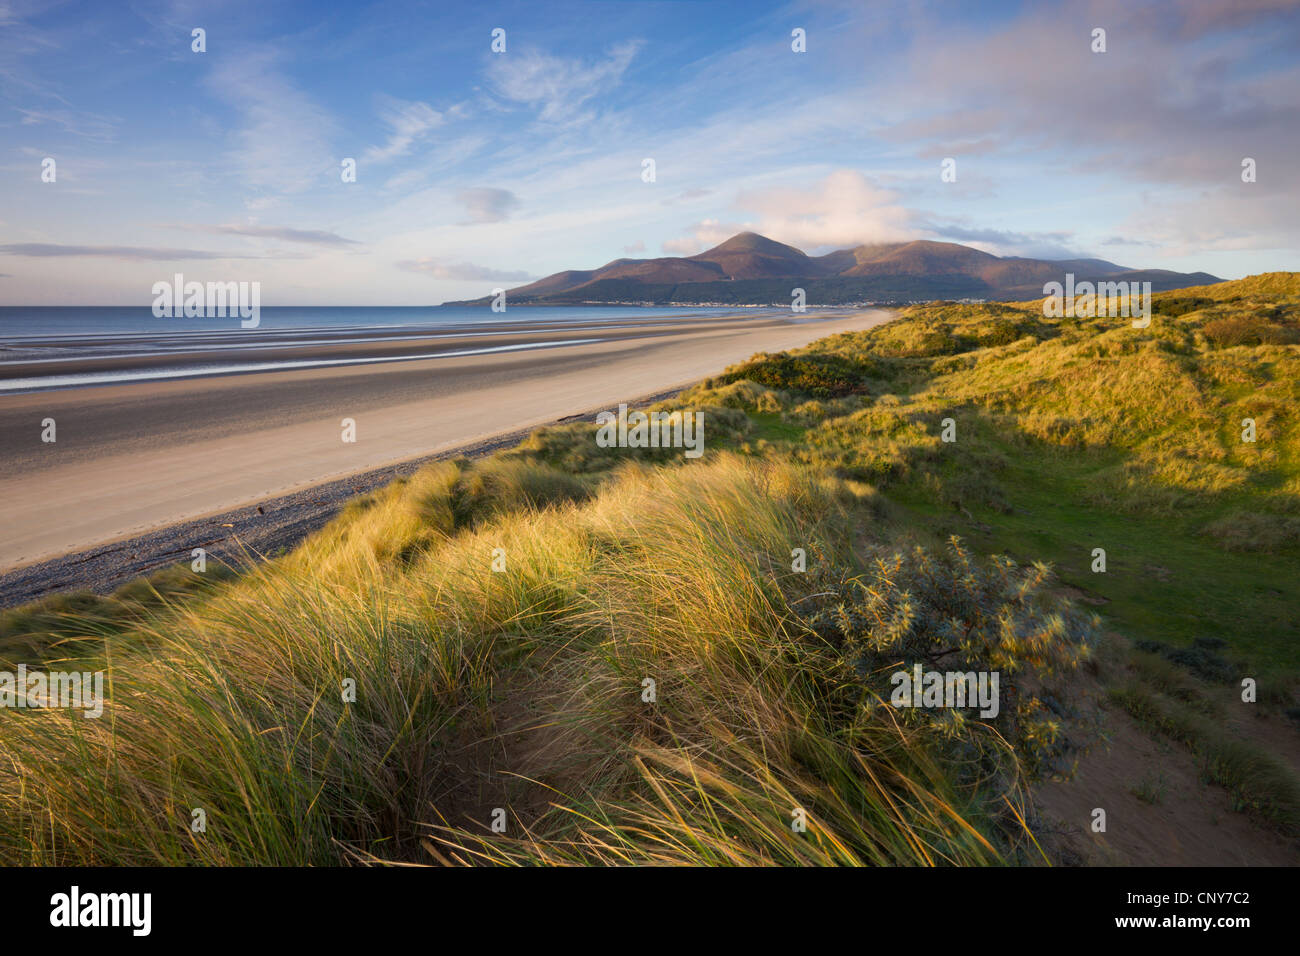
(524, 689)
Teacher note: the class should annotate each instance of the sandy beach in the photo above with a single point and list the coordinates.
(140, 456)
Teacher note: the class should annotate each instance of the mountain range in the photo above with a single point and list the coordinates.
(749, 269)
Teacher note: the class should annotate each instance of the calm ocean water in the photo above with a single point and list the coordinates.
(117, 345)
(22, 323)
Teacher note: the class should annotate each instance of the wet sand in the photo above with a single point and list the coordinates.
(131, 459)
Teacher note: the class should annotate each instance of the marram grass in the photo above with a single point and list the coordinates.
(521, 689)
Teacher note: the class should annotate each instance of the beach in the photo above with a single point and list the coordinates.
(148, 440)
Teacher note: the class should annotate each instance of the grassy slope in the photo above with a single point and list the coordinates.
(1088, 433)
(524, 689)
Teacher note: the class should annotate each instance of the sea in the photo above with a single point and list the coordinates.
(37, 343)
(26, 323)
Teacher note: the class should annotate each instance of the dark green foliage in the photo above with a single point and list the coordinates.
(1001, 332)
(819, 375)
(1174, 306)
(1200, 658)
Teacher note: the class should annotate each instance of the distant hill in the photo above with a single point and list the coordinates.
(749, 269)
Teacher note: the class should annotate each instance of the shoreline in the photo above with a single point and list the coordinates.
(134, 461)
(261, 527)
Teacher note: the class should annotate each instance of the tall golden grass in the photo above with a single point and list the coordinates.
(520, 689)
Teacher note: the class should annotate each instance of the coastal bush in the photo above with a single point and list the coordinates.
(821, 376)
(1177, 305)
(953, 612)
(1236, 330)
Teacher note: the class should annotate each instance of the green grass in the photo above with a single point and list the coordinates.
(1159, 571)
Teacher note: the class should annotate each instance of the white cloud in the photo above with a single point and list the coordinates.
(315, 237)
(283, 142)
(557, 87)
(704, 235)
(844, 209)
(86, 125)
(410, 121)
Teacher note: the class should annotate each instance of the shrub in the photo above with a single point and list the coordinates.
(952, 612)
(1244, 330)
(821, 375)
(1179, 305)
(1000, 331)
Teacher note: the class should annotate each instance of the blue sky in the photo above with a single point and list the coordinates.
(478, 169)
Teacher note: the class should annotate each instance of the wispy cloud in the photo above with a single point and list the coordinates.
(281, 143)
(558, 87)
(1007, 242)
(309, 236)
(687, 195)
(444, 269)
(53, 250)
(21, 49)
(409, 121)
(85, 125)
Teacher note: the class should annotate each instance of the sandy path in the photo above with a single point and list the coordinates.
(132, 458)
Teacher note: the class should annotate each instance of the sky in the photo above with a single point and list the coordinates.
(478, 169)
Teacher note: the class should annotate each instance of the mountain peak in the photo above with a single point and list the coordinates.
(751, 242)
